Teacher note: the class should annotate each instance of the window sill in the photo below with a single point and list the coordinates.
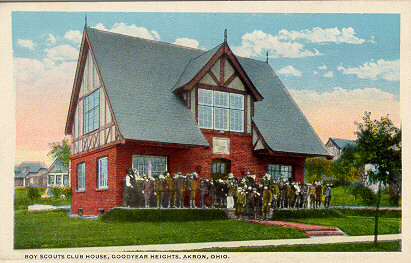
(80, 190)
(102, 188)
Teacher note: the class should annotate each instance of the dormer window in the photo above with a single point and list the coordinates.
(219, 110)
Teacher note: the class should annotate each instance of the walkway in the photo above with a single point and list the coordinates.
(309, 230)
(228, 244)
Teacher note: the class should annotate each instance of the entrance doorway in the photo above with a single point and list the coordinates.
(220, 168)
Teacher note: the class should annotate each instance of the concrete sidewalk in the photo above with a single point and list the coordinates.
(230, 244)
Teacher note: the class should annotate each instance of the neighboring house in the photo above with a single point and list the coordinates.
(336, 146)
(336, 149)
(30, 174)
(58, 174)
(161, 107)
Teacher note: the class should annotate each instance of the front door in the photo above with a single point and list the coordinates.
(220, 168)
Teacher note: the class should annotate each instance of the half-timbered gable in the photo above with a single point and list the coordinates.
(92, 125)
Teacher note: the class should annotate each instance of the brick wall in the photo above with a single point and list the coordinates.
(91, 199)
(179, 159)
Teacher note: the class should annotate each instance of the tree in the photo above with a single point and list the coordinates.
(61, 149)
(379, 143)
(346, 168)
(318, 169)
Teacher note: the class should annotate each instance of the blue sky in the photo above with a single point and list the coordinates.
(335, 66)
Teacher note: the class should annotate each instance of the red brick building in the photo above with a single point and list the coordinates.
(159, 107)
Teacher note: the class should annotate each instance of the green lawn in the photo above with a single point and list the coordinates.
(53, 229)
(393, 246)
(357, 225)
(342, 196)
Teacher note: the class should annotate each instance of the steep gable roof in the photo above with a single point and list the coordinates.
(140, 75)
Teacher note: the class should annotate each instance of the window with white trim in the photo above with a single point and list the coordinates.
(220, 110)
(279, 171)
(146, 164)
(102, 173)
(81, 176)
(58, 179)
(91, 115)
(51, 179)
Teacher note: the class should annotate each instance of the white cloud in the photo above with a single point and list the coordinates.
(51, 40)
(42, 100)
(289, 70)
(388, 70)
(131, 30)
(324, 67)
(332, 114)
(315, 72)
(319, 35)
(74, 35)
(255, 43)
(329, 74)
(62, 52)
(27, 43)
(156, 34)
(37, 76)
(186, 42)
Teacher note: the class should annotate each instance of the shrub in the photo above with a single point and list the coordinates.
(33, 193)
(162, 215)
(56, 192)
(67, 192)
(366, 194)
(294, 214)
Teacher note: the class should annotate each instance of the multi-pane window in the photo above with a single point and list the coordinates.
(219, 167)
(154, 165)
(220, 110)
(65, 180)
(278, 171)
(102, 173)
(81, 176)
(51, 179)
(58, 179)
(92, 112)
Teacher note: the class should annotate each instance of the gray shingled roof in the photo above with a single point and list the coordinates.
(140, 74)
(31, 168)
(277, 117)
(342, 143)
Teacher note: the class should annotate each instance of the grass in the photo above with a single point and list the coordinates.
(342, 196)
(354, 222)
(54, 229)
(357, 225)
(391, 246)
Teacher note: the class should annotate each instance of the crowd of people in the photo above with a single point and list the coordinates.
(248, 197)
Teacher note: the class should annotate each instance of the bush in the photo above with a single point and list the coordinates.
(294, 214)
(67, 192)
(33, 193)
(56, 192)
(387, 213)
(160, 215)
(366, 194)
